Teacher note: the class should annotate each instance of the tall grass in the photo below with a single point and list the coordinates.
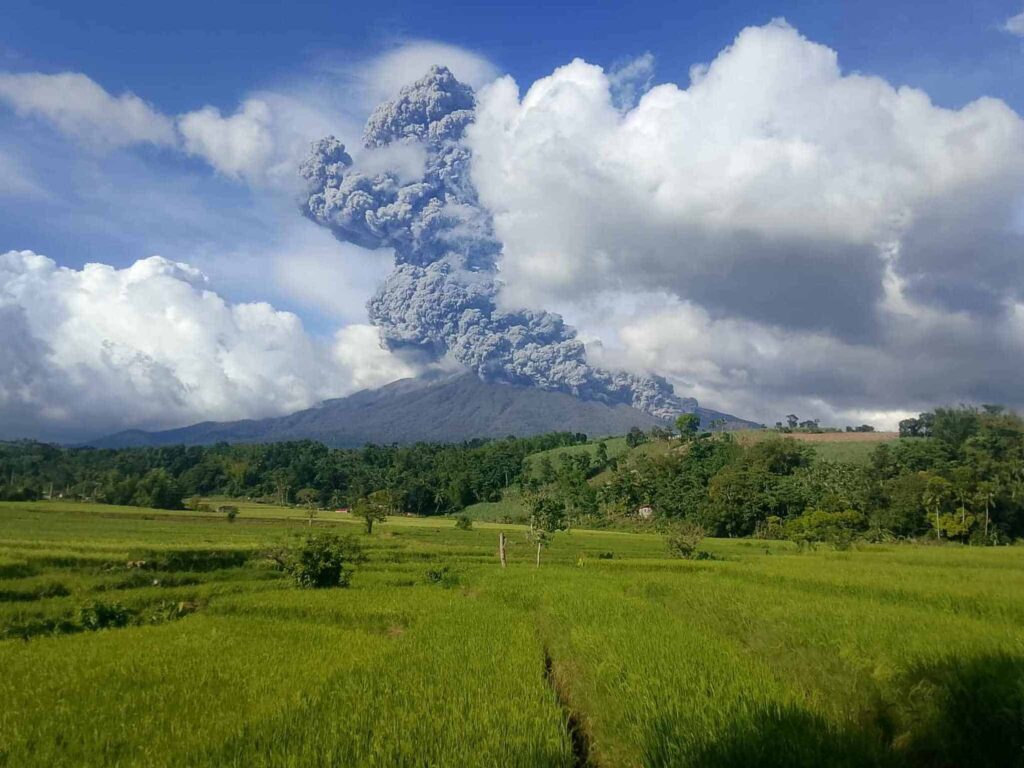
(898, 655)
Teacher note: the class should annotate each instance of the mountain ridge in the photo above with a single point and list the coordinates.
(447, 409)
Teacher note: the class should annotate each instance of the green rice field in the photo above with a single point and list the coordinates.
(609, 654)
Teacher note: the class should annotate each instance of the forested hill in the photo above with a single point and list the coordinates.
(429, 479)
(955, 475)
(450, 409)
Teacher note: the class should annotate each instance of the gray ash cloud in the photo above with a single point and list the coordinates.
(442, 296)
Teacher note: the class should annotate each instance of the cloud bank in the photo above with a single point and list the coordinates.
(83, 352)
(260, 143)
(263, 140)
(815, 236)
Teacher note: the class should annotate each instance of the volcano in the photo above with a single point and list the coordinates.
(446, 409)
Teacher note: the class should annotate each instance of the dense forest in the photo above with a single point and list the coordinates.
(425, 479)
(957, 474)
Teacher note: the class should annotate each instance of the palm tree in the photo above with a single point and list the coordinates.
(986, 496)
(936, 494)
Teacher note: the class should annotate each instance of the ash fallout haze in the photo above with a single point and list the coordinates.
(238, 213)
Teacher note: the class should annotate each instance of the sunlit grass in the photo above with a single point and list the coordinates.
(762, 656)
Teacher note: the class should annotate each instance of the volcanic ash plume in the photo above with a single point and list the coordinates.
(441, 298)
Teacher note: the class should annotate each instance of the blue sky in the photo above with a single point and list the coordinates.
(183, 53)
(91, 191)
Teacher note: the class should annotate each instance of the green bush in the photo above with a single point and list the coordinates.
(228, 510)
(464, 523)
(836, 528)
(683, 538)
(98, 615)
(322, 560)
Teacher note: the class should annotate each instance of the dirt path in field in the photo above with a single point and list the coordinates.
(578, 737)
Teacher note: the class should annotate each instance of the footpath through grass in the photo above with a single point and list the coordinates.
(610, 654)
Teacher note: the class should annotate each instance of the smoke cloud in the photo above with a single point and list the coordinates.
(442, 296)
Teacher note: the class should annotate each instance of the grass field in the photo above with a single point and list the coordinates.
(609, 654)
(616, 447)
(844, 447)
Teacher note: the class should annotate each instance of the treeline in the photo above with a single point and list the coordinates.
(963, 480)
(424, 479)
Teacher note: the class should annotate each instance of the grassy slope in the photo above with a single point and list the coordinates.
(764, 656)
(845, 447)
(616, 447)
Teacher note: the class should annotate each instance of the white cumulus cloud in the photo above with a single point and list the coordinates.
(239, 145)
(772, 171)
(82, 108)
(89, 351)
(811, 236)
(358, 351)
(261, 142)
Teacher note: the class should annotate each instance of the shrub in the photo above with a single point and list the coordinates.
(606, 556)
(683, 539)
(322, 560)
(770, 528)
(443, 576)
(97, 615)
(228, 510)
(196, 504)
(464, 523)
(835, 528)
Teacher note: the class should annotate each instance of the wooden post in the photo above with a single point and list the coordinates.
(501, 548)
(538, 553)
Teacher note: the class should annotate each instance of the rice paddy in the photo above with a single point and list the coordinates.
(609, 654)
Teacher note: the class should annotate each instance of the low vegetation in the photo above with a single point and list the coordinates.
(321, 560)
(174, 639)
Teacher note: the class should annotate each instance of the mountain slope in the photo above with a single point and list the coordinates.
(448, 409)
